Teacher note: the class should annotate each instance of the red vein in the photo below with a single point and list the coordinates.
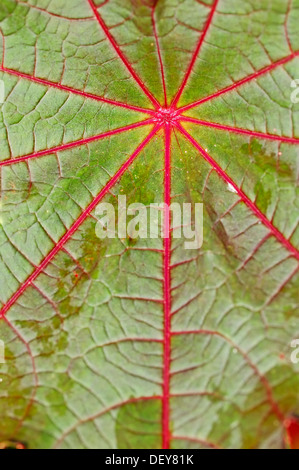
(248, 79)
(44, 82)
(196, 53)
(76, 143)
(286, 243)
(167, 295)
(237, 130)
(263, 379)
(77, 223)
(159, 53)
(121, 55)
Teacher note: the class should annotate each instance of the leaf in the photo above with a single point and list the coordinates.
(124, 342)
(292, 432)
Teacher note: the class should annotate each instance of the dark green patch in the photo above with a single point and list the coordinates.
(138, 425)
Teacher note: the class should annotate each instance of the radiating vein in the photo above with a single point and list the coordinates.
(121, 55)
(280, 237)
(159, 52)
(76, 143)
(42, 81)
(239, 83)
(237, 130)
(196, 53)
(77, 223)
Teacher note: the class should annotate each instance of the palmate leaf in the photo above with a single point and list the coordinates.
(141, 343)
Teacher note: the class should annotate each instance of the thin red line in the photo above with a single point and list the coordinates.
(42, 81)
(167, 295)
(286, 243)
(159, 53)
(77, 143)
(196, 53)
(77, 224)
(237, 130)
(122, 56)
(255, 75)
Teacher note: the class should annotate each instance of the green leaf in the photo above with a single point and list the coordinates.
(139, 342)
